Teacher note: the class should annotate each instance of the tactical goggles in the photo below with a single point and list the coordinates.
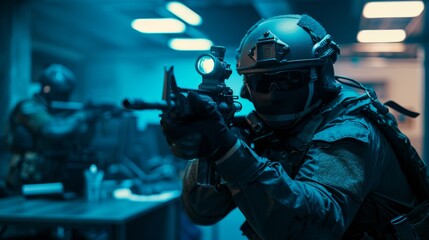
(264, 83)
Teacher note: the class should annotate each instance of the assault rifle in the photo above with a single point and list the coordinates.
(214, 71)
(104, 109)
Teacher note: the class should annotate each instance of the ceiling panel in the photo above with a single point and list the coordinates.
(91, 26)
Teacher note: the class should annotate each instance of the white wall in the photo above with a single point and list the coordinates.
(404, 84)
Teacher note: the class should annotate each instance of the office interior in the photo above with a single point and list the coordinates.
(113, 61)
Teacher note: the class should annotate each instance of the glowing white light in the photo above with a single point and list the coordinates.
(46, 89)
(184, 13)
(190, 44)
(393, 35)
(381, 47)
(205, 64)
(122, 193)
(158, 25)
(393, 9)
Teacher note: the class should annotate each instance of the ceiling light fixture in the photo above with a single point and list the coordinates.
(392, 35)
(184, 13)
(393, 9)
(190, 44)
(380, 47)
(158, 25)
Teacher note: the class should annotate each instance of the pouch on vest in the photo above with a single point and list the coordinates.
(409, 160)
(19, 139)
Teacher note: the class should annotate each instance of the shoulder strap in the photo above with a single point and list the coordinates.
(401, 109)
(409, 160)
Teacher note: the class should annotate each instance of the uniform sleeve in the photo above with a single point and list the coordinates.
(320, 201)
(36, 118)
(203, 205)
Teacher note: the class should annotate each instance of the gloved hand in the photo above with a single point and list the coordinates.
(204, 134)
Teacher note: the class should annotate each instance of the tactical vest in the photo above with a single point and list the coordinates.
(19, 139)
(414, 225)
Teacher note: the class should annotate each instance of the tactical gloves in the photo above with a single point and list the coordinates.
(201, 134)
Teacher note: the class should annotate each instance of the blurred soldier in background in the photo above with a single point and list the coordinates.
(317, 166)
(40, 137)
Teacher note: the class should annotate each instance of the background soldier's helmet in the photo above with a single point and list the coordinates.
(57, 82)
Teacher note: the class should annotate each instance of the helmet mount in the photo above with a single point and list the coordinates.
(285, 42)
(269, 49)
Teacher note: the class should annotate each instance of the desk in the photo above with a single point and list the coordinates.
(124, 218)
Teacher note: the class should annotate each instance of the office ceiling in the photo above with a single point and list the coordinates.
(91, 27)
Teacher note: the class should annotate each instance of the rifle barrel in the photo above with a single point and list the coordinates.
(139, 104)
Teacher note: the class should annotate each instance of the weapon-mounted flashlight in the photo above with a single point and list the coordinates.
(205, 64)
(213, 69)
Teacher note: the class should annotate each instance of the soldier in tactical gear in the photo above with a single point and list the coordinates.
(318, 168)
(41, 138)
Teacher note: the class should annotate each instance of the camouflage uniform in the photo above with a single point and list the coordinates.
(41, 141)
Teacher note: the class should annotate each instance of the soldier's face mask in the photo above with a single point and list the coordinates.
(281, 99)
(284, 81)
(53, 93)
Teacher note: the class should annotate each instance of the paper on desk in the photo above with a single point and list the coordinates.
(125, 193)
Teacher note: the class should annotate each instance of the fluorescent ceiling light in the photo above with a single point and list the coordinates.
(184, 13)
(394, 9)
(393, 35)
(158, 25)
(381, 47)
(190, 44)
